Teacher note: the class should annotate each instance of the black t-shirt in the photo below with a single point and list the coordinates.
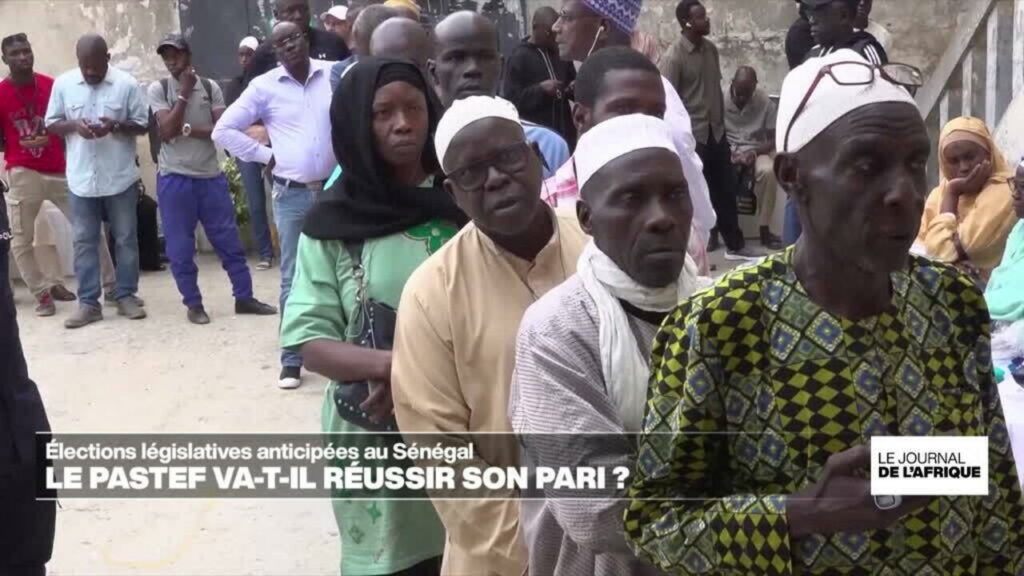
(799, 42)
(323, 45)
(863, 43)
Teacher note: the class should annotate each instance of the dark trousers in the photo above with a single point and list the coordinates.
(429, 567)
(255, 192)
(186, 201)
(721, 180)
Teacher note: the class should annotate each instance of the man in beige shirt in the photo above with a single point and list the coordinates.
(460, 311)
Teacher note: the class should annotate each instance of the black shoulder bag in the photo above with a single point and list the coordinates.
(376, 331)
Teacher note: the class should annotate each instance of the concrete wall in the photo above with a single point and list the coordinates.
(132, 29)
(753, 32)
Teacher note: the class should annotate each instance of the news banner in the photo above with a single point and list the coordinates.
(407, 466)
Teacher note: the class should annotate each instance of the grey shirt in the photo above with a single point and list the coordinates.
(184, 155)
(558, 387)
(749, 128)
(696, 74)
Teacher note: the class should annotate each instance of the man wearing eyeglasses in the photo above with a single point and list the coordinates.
(460, 311)
(767, 389)
(293, 101)
(321, 44)
(832, 25)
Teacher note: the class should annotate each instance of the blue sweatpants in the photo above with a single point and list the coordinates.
(186, 201)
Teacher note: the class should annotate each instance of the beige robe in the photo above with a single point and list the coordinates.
(451, 373)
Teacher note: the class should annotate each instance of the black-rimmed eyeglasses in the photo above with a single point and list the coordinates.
(509, 160)
(858, 74)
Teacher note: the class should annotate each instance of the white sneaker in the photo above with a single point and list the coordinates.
(744, 254)
(291, 378)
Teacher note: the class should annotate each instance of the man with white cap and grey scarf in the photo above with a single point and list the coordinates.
(767, 389)
(580, 382)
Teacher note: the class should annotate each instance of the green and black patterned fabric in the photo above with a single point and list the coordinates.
(754, 386)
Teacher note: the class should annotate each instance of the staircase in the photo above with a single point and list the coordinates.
(982, 75)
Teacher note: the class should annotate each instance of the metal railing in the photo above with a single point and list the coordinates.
(981, 71)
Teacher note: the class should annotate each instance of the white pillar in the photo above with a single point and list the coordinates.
(992, 68)
(1018, 46)
(944, 110)
(968, 83)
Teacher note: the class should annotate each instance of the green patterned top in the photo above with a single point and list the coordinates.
(791, 384)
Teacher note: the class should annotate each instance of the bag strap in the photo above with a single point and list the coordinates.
(207, 85)
(355, 254)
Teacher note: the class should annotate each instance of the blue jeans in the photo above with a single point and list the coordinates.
(791, 230)
(255, 194)
(121, 213)
(290, 208)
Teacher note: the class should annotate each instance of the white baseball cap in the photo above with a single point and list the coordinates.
(338, 12)
(249, 42)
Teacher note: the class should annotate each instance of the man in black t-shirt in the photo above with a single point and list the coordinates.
(799, 41)
(26, 525)
(323, 45)
(833, 26)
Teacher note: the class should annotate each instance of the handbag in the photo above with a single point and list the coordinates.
(376, 331)
(746, 200)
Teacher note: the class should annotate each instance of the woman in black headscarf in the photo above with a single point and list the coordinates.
(360, 244)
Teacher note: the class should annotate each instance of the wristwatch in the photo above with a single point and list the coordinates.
(186, 130)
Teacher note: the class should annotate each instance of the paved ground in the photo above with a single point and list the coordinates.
(163, 374)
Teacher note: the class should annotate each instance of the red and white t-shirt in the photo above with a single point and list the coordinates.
(22, 113)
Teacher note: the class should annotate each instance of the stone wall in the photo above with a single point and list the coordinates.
(753, 32)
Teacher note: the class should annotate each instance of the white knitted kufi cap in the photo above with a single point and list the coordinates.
(830, 100)
(617, 137)
(463, 113)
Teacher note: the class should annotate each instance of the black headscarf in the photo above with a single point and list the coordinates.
(366, 202)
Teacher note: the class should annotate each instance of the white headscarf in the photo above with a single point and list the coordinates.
(626, 371)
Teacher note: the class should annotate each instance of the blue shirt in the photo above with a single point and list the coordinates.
(104, 166)
(552, 146)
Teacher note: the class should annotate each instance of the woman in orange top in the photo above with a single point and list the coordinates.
(970, 214)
